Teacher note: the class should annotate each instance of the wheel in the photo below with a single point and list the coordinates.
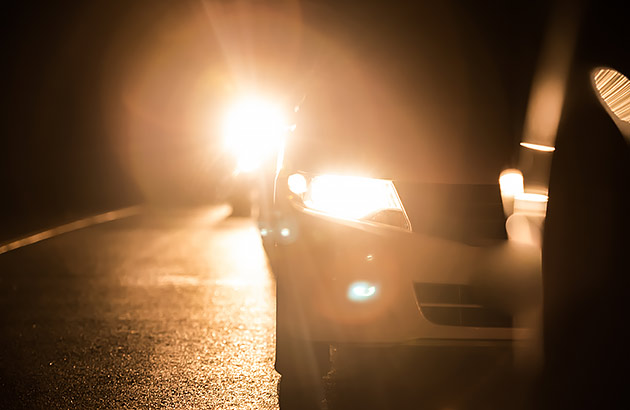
(296, 358)
(301, 359)
(302, 366)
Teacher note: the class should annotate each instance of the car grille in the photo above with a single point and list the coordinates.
(457, 305)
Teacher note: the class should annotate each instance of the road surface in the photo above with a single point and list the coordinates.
(175, 309)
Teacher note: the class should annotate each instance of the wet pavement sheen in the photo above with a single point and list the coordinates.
(163, 310)
(176, 310)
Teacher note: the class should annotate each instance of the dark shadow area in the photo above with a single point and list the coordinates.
(57, 163)
(587, 235)
(412, 378)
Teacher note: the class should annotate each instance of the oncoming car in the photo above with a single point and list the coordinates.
(410, 197)
(388, 221)
(373, 261)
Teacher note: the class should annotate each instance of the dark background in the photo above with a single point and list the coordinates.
(57, 162)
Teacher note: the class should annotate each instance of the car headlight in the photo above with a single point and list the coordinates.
(254, 129)
(350, 198)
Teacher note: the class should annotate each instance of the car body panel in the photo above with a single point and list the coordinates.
(322, 256)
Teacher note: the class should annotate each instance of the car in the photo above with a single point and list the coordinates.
(410, 191)
(389, 220)
(376, 261)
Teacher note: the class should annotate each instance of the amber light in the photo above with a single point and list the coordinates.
(511, 183)
(614, 89)
(538, 147)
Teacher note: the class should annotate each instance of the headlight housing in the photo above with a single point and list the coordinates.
(349, 197)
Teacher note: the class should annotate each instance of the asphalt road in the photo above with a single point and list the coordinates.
(176, 310)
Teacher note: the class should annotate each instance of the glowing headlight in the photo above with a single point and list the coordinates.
(253, 130)
(350, 197)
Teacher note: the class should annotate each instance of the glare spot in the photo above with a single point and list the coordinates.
(361, 291)
(253, 130)
(264, 232)
(538, 147)
(297, 184)
(285, 232)
(369, 258)
(511, 182)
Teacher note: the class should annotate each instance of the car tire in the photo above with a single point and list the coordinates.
(296, 359)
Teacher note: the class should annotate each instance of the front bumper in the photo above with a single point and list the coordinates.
(317, 258)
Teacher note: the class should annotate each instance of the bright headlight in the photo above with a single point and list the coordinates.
(350, 197)
(253, 130)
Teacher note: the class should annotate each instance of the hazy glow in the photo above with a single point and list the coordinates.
(538, 147)
(351, 197)
(361, 291)
(614, 89)
(297, 184)
(253, 130)
(525, 228)
(511, 183)
(285, 232)
(550, 80)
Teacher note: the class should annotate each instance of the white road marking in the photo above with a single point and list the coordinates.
(72, 226)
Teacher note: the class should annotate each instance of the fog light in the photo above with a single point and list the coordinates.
(361, 291)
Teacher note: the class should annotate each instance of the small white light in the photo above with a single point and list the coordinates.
(369, 258)
(264, 232)
(361, 291)
(297, 184)
(285, 232)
